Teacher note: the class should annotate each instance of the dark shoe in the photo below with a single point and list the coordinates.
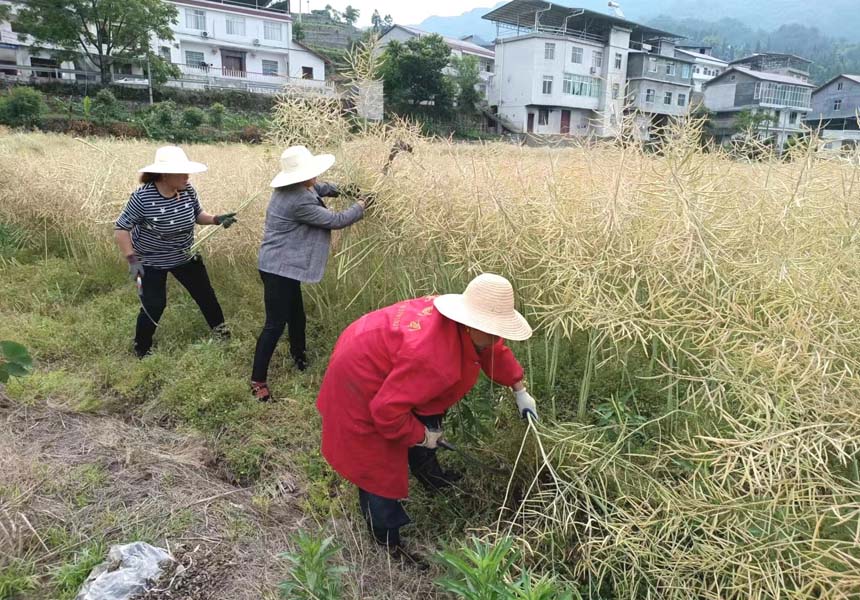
(301, 362)
(260, 391)
(142, 353)
(222, 333)
(406, 558)
(429, 473)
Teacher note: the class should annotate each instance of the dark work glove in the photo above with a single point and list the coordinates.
(226, 221)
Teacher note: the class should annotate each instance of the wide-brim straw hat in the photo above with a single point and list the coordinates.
(487, 305)
(171, 160)
(298, 165)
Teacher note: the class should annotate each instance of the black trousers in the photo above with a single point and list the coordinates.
(385, 516)
(194, 278)
(284, 308)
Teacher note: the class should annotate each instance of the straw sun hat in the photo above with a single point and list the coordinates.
(172, 160)
(487, 305)
(298, 164)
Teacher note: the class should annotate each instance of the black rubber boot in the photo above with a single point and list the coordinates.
(426, 468)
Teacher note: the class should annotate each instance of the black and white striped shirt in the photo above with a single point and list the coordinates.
(162, 229)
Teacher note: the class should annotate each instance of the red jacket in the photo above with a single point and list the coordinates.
(388, 364)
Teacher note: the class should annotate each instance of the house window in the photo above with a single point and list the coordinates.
(195, 19)
(576, 55)
(164, 53)
(837, 105)
(696, 70)
(547, 84)
(667, 99)
(682, 99)
(685, 71)
(236, 26)
(839, 86)
(122, 69)
(616, 90)
(793, 118)
(652, 65)
(650, 95)
(580, 85)
(543, 116)
(733, 77)
(597, 59)
(307, 72)
(619, 58)
(549, 51)
(670, 69)
(270, 67)
(195, 59)
(757, 92)
(273, 31)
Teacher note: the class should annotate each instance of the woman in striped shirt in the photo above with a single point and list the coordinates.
(155, 233)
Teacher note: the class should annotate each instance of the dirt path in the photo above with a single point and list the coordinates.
(69, 480)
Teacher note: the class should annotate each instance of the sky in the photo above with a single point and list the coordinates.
(407, 12)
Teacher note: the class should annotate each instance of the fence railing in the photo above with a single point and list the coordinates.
(191, 76)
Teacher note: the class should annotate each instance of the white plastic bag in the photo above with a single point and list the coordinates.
(128, 570)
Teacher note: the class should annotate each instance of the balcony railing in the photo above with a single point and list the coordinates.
(229, 77)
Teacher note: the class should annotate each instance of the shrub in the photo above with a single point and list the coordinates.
(251, 134)
(192, 117)
(216, 114)
(125, 130)
(312, 574)
(15, 361)
(105, 106)
(22, 107)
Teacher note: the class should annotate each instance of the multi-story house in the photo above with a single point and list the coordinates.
(780, 100)
(835, 112)
(485, 56)
(790, 65)
(219, 43)
(562, 70)
(706, 66)
(659, 85)
(216, 44)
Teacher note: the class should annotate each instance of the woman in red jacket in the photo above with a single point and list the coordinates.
(394, 373)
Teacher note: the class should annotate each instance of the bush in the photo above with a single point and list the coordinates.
(22, 107)
(105, 107)
(216, 114)
(192, 117)
(312, 574)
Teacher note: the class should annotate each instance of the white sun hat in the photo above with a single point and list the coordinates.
(172, 160)
(298, 164)
(487, 305)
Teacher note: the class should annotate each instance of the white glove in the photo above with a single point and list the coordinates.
(431, 438)
(526, 404)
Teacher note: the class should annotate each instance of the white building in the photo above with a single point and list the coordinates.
(216, 44)
(459, 48)
(562, 70)
(706, 66)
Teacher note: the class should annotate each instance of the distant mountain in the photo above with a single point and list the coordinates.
(835, 18)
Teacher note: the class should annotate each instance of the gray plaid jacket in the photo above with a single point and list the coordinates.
(297, 237)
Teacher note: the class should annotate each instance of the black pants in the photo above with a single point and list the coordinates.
(385, 516)
(284, 308)
(194, 278)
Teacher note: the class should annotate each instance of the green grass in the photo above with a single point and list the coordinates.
(15, 578)
(68, 577)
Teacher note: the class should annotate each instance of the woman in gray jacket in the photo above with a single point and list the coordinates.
(295, 249)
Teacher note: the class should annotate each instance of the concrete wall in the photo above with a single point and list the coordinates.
(720, 95)
(637, 92)
(823, 100)
(640, 62)
(216, 27)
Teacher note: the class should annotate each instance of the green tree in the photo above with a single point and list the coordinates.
(351, 15)
(101, 30)
(376, 21)
(748, 120)
(298, 31)
(414, 78)
(466, 78)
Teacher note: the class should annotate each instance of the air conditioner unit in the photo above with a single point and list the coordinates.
(204, 34)
(256, 42)
(647, 47)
